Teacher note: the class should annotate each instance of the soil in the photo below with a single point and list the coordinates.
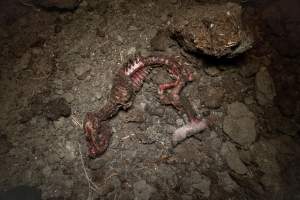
(56, 65)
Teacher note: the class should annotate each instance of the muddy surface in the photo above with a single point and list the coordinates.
(57, 65)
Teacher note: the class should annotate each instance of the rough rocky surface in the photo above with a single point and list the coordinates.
(60, 64)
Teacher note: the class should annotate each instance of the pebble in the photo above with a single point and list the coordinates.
(231, 155)
(82, 71)
(69, 97)
(132, 28)
(142, 190)
(59, 123)
(214, 97)
(120, 39)
(239, 124)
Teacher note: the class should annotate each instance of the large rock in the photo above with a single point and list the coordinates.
(239, 124)
(265, 89)
(212, 29)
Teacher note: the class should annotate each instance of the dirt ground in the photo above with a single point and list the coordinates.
(57, 65)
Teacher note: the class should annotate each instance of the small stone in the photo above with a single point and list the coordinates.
(142, 190)
(238, 109)
(214, 97)
(69, 97)
(120, 39)
(249, 100)
(71, 151)
(160, 42)
(82, 71)
(212, 71)
(98, 95)
(59, 92)
(265, 89)
(239, 124)
(47, 171)
(131, 51)
(132, 28)
(231, 155)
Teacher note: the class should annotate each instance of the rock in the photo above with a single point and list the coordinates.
(98, 95)
(218, 31)
(232, 158)
(82, 71)
(226, 181)
(56, 108)
(265, 89)
(213, 97)
(120, 39)
(212, 71)
(196, 182)
(70, 153)
(161, 41)
(132, 28)
(61, 4)
(131, 51)
(69, 97)
(239, 124)
(249, 100)
(238, 109)
(142, 191)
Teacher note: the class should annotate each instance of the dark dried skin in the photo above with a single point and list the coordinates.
(127, 82)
